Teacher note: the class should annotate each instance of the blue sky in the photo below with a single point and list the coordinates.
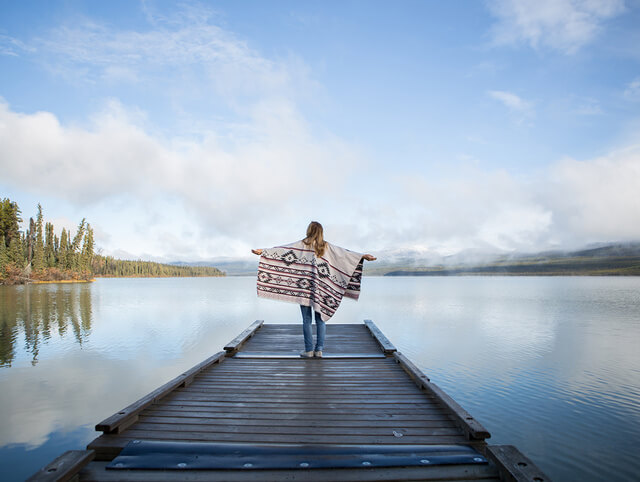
(197, 130)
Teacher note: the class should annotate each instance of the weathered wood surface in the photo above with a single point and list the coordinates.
(383, 341)
(291, 354)
(473, 428)
(128, 415)
(287, 339)
(350, 397)
(234, 344)
(514, 464)
(253, 398)
(63, 468)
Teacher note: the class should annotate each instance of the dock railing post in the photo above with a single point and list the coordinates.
(234, 345)
(473, 429)
(386, 346)
(129, 415)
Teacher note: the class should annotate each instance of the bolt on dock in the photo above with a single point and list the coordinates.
(257, 411)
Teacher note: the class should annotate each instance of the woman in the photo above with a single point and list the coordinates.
(313, 273)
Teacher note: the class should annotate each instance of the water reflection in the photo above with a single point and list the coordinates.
(42, 312)
(547, 364)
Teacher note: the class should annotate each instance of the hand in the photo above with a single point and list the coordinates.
(368, 257)
(257, 251)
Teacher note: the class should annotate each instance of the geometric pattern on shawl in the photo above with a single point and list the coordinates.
(294, 273)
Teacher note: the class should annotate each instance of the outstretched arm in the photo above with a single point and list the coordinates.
(368, 257)
(257, 251)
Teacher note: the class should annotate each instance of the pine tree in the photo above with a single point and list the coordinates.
(56, 249)
(17, 252)
(63, 251)
(9, 221)
(4, 255)
(87, 249)
(30, 236)
(75, 246)
(49, 246)
(38, 248)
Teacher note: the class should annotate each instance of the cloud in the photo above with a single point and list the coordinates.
(632, 91)
(510, 100)
(12, 47)
(474, 209)
(80, 164)
(277, 169)
(520, 108)
(597, 199)
(204, 199)
(260, 170)
(208, 58)
(588, 107)
(563, 25)
(569, 204)
(236, 145)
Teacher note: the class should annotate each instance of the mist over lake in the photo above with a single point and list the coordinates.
(548, 364)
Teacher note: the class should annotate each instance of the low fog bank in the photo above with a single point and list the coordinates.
(593, 259)
(423, 259)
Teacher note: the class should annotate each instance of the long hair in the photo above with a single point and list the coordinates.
(314, 238)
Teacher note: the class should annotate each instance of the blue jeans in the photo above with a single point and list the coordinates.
(321, 329)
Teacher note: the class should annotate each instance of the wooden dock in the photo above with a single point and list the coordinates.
(257, 411)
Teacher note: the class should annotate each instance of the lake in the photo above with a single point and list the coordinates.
(549, 364)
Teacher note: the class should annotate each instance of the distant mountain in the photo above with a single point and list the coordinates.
(610, 259)
(231, 266)
(603, 259)
(611, 250)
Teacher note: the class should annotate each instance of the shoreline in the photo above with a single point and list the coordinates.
(35, 281)
(42, 282)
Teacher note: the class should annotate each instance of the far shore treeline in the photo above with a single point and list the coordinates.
(38, 254)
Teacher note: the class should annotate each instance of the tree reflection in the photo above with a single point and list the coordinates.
(36, 311)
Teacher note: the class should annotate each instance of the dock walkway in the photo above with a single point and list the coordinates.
(257, 411)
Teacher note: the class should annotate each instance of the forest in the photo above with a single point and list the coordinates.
(39, 254)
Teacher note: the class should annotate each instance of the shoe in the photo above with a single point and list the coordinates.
(306, 354)
(317, 354)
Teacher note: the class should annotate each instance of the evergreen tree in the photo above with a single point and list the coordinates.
(56, 249)
(38, 248)
(9, 221)
(49, 246)
(63, 251)
(17, 252)
(4, 255)
(30, 239)
(87, 249)
(74, 249)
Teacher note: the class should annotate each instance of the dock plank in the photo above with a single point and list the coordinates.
(383, 341)
(340, 339)
(515, 463)
(310, 393)
(378, 416)
(286, 429)
(180, 419)
(308, 438)
(63, 468)
(235, 344)
(128, 415)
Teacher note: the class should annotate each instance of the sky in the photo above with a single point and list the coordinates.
(199, 130)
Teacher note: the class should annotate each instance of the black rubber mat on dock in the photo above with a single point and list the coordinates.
(149, 455)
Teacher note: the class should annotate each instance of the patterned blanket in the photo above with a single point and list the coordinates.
(295, 274)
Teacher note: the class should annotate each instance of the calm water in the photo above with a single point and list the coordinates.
(550, 365)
